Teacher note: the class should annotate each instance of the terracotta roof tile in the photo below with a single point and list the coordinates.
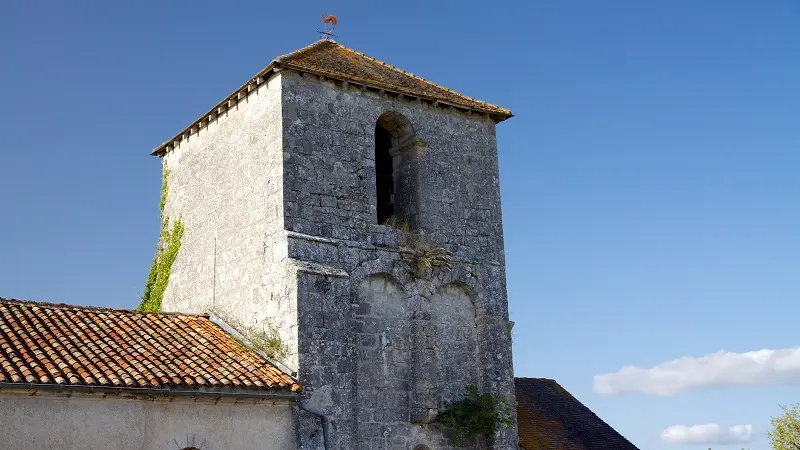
(45, 343)
(549, 417)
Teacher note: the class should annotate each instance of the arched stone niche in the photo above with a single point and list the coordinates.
(454, 326)
(383, 353)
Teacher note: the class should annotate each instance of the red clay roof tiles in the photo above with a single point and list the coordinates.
(44, 343)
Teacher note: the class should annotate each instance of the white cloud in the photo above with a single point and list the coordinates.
(762, 367)
(707, 434)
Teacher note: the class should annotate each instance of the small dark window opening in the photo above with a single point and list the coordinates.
(397, 150)
(384, 176)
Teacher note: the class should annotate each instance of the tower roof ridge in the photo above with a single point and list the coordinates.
(333, 60)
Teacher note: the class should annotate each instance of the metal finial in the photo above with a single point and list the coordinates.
(330, 25)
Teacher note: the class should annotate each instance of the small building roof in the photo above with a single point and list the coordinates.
(549, 417)
(57, 345)
(329, 59)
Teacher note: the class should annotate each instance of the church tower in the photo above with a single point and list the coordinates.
(352, 210)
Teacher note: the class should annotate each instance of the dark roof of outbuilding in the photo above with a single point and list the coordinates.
(332, 60)
(55, 344)
(549, 417)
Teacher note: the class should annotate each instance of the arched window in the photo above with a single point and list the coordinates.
(396, 186)
(384, 178)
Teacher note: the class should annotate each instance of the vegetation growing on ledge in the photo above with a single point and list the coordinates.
(477, 417)
(394, 222)
(424, 257)
(268, 342)
(264, 338)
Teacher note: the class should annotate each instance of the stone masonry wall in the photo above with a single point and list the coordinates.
(330, 167)
(278, 200)
(226, 185)
(373, 350)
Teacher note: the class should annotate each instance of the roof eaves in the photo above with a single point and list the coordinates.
(503, 114)
(497, 113)
(32, 388)
(225, 104)
(97, 309)
(269, 377)
(487, 106)
(263, 76)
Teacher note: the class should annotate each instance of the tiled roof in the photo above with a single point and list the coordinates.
(550, 418)
(332, 60)
(55, 344)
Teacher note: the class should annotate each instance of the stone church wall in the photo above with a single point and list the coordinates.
(355, 358)
(80, 423)
(226, 184)
(278, 200)
(383, 345)
(329, 167)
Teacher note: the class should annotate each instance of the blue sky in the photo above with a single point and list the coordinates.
(649, 178)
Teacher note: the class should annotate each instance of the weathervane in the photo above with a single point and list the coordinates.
(330, 25)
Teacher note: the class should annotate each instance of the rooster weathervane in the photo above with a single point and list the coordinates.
(330, 22)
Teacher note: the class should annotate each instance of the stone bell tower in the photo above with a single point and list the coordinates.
(355, 209)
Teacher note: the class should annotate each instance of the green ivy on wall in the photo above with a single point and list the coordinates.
(477, 417)
(161, 268)
(163, 201)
